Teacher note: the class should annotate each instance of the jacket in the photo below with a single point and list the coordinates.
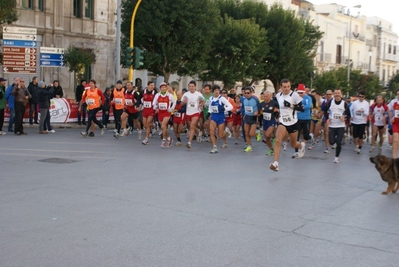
(79, 92)
(32, 88)
(10, 97)
(58, 91)
(44, 95)
(2, 97)
(20, 94)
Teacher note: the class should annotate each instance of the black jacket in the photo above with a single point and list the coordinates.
(58, 91)
(32, 88)
(44, 95)
(79, 92)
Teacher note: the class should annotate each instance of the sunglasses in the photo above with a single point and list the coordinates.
(361, 96)
(247, 93)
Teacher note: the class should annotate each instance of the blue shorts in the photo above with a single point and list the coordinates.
(218, 119)
(266, 124)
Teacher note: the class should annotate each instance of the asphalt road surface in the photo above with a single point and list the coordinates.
(66, 200)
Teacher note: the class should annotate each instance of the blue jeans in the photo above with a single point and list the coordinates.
(12, 119)
(47, 125)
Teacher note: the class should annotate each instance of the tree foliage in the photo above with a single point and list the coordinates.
(175, 34)
(77, 58)
(393, 83)
(8, 11)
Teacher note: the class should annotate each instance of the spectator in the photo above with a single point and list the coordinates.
(78, 96)
(44, 104)
(11, 106)
(2, 103)
(47, 126)
(33, 105)
(21, 97)
(106, 106)
(58, 92)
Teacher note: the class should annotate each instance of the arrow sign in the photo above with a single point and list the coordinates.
(20, 30)
(51, 50)
(51, 63)
(23, 37)
(5, 69)
(19, 43)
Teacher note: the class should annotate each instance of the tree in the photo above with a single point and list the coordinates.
(77, 59)
(238, 54)
(393, 83)
(325, 81)
(8, 11)
(175, 34)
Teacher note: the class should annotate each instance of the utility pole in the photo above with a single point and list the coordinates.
(118, 41)
(132, 36)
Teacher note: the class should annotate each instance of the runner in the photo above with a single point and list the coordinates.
(304, 117)
(148, 111)
(218, 105)
(289, 102)
(359, 111)
(118, 101)
(337, 111)
(204, 119)
(269, 111)
(131, 111)
(229, 114)
(94, 99)
(194, 101)
(324, 122)
(378, 113)
(164, 103)
(237, 118)
(315, 125)
(179, 118)
(394, 119)
(251, 109)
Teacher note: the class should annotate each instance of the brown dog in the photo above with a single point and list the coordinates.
(389, 171)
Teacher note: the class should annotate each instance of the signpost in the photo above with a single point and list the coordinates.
(51, 57)
(19, 50)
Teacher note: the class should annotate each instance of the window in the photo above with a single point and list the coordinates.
(41, 5)
(321, 51)
(390, 49)
(394, 49)
(77, 11)
(27, 4)
(89, 9)
(339, 54)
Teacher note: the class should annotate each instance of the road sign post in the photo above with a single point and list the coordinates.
(51, 57)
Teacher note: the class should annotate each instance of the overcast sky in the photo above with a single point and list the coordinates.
(385, 9)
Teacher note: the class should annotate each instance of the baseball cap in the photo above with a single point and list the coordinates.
(163, 84)
(2, 79)
(41, 84)
(301, 87)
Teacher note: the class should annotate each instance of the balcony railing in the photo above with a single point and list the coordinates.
(325, 57)
(390, 57)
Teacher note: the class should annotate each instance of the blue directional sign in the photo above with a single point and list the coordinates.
(19, 43)
(51, 63)
(51, 57)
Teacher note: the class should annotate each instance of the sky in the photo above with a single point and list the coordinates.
(385, 9)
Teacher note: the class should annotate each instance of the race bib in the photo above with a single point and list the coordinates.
(177, 114)
(267, 116)
(287, 118)
(214, 109)
(163, 106)
(147, 104)
(206, 103)
(90, 101)
(249, 109)
(337, 116)
(128, 101)
(396, 113)
(378, 117)
(358, 113)
(192, 104)
(118, 101)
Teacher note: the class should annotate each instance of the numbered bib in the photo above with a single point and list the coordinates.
(90, 101)
(249, 109)
(177, 114)
(358, 113)
(147, 104)
(396, 113)
(118, 101)
(378, 117)
(163, 106)
(287, 118)
(267, 116)
(192, 104)
(214, 109)
(206, 104)
(128, 101)
(337, 116)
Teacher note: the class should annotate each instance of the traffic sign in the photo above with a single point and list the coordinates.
(22, 57)
(51, 50)
(14, 36)
(19, 43)
(19, 70)
(19, 50)
(8, 29)
(51, 57)
(51, 63)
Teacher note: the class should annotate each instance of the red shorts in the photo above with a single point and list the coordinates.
(179, 118)
(162, 115)
(395, 127)
(195, 115)
(229, 119)
(148, 112)
(237, 120)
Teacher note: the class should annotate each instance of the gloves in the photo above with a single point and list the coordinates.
(287, 104)
(299, 107)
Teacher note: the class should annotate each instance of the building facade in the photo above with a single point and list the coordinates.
(85, 24)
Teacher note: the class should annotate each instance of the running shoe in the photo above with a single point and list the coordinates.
(264, 141)
(214, 150)
(227, 133)
(115, 130)
(116, 135)
(169, 141)
(103, 130)
(327, 151)
(258, 136)
(358, 151)
(125, 132)
(236, 142)
(84, 134)
(224, 146)
(311, 147)
(163, 144)
(334, 146)
(145, 141)
(270, 152)
(336, 160)
(178, 143)
(248, 149)
(50, 131)
(295, 156)
(285, 146)
(91, 134)
(372, 149)
(188, 145)
(274, 166)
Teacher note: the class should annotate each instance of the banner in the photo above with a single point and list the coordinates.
(62, 110)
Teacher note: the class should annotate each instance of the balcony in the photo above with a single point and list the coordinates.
(390, 57)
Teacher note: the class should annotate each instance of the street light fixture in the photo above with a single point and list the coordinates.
(350, 45)
(370, 55)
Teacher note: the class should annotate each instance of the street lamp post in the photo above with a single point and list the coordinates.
(350, 46)
(132, 36)
(370, 55)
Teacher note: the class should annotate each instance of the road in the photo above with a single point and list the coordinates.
(66, 200)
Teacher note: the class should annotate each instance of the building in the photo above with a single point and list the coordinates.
(86, 24)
